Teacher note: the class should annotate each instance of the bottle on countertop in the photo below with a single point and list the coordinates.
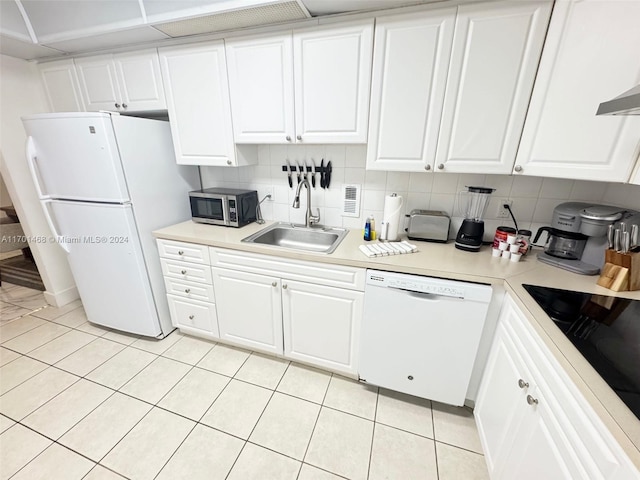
(367, 230)
(372, 227)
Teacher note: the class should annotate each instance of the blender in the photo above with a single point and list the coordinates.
(469, 237)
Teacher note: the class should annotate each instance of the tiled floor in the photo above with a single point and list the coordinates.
(79, 401)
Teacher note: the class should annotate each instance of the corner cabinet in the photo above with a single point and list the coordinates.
(195, 79)
(61, 86)
(587, 59)
(532, 420)
(313, 88)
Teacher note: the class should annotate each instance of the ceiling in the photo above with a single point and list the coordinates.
(37, 29)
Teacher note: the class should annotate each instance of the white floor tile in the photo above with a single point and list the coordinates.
(155, 381)
(19, 446)
(21, 369)
(455, 463)
(206, 454)
(9, 312)
(158, 347)
(5, 423)
(143, 452)
(7, 356)
(116, 336)
(121, 368)
(60, 347)
(113, 420)
(62, 412)
(100, 473)
(224, 360)
(51, 313)
(194, 394)
(405, 412)
(23, 297)
(341, 444)
(399, 454)
(18, 327)
(71, 319)
(352, 397)
(238, 408)
(89, 357)
(262, 370)
(34, 338)
(189, 350)
(286, 425)
(257, 463)
(35, 392)
(96, 330)
(56, 463)
(307, 472)
(455, 426)
(305, 382)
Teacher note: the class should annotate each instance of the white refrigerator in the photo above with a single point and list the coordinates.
(107, 181)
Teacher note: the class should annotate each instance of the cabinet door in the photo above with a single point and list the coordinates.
(410, 64)
(99, 83)
(322, 325)
(249, 309)
(61, 86)
(496, 50)
(195, 80)
(193, 316)
(332, 71)
(587, 59)
(261, 87)
(140, 81)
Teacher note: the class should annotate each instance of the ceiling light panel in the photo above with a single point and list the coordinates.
(248, 17)
(129, 37)
(11, 21)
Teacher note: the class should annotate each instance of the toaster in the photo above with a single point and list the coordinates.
(429, 225)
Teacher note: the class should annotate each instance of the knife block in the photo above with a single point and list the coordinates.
(621, 271)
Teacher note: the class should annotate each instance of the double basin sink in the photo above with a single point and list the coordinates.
(298, 237)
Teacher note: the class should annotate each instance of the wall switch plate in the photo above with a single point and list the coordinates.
(267, 190)
(503, 212)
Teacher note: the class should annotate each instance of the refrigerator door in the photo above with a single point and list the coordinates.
(107, 263)
(75, 156)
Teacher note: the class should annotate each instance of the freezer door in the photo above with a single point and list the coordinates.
(108, 265)
(75, 156)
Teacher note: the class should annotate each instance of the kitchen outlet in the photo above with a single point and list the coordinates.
(503, 212)
(268, 191)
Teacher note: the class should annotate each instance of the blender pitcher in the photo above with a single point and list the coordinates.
(469, 237)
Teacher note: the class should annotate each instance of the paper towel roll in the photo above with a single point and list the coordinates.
(391, 217)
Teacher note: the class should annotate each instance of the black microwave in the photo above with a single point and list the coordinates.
(224, 206)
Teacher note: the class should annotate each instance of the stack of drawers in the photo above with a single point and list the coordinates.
(187, 277)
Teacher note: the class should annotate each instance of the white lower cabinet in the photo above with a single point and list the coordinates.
(532, 420)
(193, 316)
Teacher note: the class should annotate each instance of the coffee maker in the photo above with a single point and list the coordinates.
(577, 237)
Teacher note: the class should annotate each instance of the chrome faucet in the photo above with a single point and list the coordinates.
(259, 218)
(309, 218)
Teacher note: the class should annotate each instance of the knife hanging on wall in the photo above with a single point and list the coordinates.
(327, 179)
(313, 173)
(322, 173)
(289, 174)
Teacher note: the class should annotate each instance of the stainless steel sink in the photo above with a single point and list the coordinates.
(298, 237)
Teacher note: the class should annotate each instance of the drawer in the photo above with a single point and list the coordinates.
(196, 291)
(189, 252)
(311, 272)
(189, 272)
(193, 314)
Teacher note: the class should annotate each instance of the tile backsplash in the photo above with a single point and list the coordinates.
(533, 197)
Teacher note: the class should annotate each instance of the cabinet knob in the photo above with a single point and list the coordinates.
(531, 400)
(299, 137)
(427, 167)
(228, 162)
(180, 252)
(523, 384)
(274, 284)
(191, 317)
(410, 377)
(184, 272)
(288, 138)
(117, 105)
(284, 285)
(441, 166)
(187, 290)
(124, 105)
(518, 168)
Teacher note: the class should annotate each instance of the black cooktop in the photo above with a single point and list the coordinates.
(606, 331)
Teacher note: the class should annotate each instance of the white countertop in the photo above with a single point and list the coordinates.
(445, 261)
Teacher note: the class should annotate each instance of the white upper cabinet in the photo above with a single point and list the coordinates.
(496, 50)
(410, 63)
(195, 79)
(311, 86)
(125, 82)
(61, 86)
(590, 56)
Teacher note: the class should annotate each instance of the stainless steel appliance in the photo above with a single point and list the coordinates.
(577, 237)
(231, 207)
(420, 335)
(469, 237)
(428, 225)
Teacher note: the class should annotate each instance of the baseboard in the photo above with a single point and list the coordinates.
(60, 299)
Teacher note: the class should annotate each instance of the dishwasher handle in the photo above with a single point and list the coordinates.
(424, 296)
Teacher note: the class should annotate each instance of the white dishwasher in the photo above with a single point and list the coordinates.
(420, 334)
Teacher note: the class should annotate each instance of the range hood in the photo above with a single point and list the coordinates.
(626, 104)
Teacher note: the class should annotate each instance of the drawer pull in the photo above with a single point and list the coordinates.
(184, 272)
(284, 286)
(180, 252)
(187, 290)
(531, 400)
(191, 317)
(523, 384)
(274, 284)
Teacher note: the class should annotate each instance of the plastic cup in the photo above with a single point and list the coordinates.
(515, 257)
(503, 246)
(515, 248)
(506, 254)
(496, 252)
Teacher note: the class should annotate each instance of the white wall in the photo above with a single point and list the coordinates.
(21, 94)
(533, 197)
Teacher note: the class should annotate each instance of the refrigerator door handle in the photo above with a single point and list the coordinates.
(47, 215)
(31, 161)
